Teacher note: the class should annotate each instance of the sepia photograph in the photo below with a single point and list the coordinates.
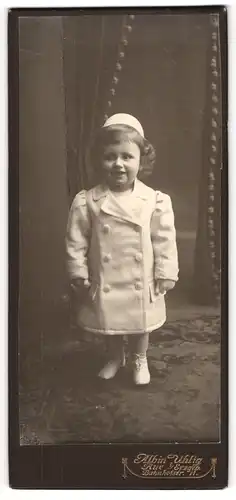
(120, 161)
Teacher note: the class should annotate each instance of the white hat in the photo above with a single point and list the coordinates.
(125, 119)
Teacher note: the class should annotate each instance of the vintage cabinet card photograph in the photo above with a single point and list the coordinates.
(118, 338)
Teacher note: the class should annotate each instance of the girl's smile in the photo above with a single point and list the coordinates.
(120, 164)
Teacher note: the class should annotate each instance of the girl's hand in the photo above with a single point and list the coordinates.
(163, 286)
(79, 284)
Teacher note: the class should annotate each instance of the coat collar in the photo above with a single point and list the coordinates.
(140, 191)
(100, 191)
(111, 205)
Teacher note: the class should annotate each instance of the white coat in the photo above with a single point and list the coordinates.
(121, 254)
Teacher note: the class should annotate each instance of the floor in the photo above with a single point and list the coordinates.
(63, 401)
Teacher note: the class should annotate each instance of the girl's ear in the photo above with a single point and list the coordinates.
(142, 170)
(147, 160)
(141, 167)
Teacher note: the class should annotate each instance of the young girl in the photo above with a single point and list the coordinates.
(121, 247)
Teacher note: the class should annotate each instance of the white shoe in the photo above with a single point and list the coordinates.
(111, 368)
(141, 374)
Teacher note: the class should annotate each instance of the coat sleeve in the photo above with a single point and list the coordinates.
(163, 235)
(77, 238)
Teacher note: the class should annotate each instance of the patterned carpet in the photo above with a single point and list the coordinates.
(62, 401)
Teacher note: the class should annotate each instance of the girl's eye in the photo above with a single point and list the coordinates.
(127, 156)
(112, 157)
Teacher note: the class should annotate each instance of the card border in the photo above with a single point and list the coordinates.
(69, 466)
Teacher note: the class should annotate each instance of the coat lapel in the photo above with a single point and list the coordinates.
(111, 206)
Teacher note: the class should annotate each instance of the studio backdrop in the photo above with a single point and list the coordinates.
(74, 71)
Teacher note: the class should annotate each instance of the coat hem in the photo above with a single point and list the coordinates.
(122, 332)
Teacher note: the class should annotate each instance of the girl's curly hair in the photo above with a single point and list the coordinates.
(115, 134)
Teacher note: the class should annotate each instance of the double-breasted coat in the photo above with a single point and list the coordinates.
(121, 252)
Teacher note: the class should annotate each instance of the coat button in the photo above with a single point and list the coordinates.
(138, 285)
(106, 228)
(138, 257)
(106, 288)
(106, 258)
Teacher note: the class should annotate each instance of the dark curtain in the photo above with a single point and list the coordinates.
(165, 80)
(90, 50)
(207, 278)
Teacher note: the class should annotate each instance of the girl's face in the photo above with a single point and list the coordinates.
(120, 164)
